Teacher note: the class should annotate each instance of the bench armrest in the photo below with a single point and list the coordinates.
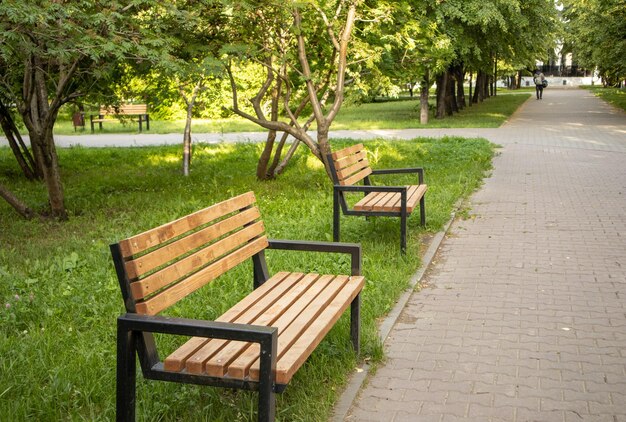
(418, 170)
(353, 249)
(370, 188)
(197, 328)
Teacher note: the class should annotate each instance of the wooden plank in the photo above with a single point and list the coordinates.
(295, 321)
(148, 262)
(176, 361)
(371, 201)
(414, 193)
(217, 365)
(393, 205)
(182, 268)
(346, 151)
(355, 168)
(302, 348)
(195, 363)
(239, 367)
(192, 283)
(350, 160)
(356, 177)
(171, 230)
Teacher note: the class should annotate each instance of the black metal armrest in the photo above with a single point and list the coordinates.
(353, 249)
(418, 170)
(370, 188)
(197, 328)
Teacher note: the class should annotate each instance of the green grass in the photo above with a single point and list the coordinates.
(493, 112)
(59, 295)
(615, 96)
(406, 114)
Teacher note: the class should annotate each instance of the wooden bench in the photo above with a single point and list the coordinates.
(139, 110)
(260, 342)
(350, 166)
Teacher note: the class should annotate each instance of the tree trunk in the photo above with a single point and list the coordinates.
(424, 89)
(478, 91)
(486, 85)
(190, 102)
(262, 171)
(442, 88)
(21, 208)
(51, 173)
(451, 105)
(21, 152)
(187, 140)
(459, 74)
(471, 100)
(495, 75)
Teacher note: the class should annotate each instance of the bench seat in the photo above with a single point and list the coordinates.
(304, 307)
(390, 201)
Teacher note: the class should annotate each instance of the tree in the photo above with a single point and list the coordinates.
(53, 52)
(303, 48)
(596, 31)
(196, 33)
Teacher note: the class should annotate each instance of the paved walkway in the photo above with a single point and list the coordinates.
(524, 314)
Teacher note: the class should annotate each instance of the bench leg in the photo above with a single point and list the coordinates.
(126, 375)
(336, 216)
(267, 396)
(403, 220)
(423, 212)
(355, 323)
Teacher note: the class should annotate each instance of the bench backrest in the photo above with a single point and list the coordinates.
(129, 109)
(159, 267)
(350, 165)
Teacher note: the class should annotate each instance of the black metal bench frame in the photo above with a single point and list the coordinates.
(135, 335)
(340, 205)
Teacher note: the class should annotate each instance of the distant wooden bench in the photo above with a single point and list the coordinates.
(350, 166)
(138, 110)
(260, 342)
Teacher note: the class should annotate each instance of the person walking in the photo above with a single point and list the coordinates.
(539, 83)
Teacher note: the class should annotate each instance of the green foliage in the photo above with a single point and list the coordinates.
(595, 30)
(59, 295)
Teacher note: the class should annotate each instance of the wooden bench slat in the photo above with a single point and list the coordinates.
(354, 168)
(192, 283)
(308, 306)
(125, 109)
(395, 201)
(169, 231)
(369, 202)
(289, 335)
(350, 160)
(346, 151)
(390, 202)
(176, 360)
(356, 177)
(217, 365)
(145, 263)
(294, 357)
(196, 364)
(414, 194)
(185, 266)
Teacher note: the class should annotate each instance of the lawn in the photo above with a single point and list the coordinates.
(60, 296)
(403, 114)
(615, 96)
